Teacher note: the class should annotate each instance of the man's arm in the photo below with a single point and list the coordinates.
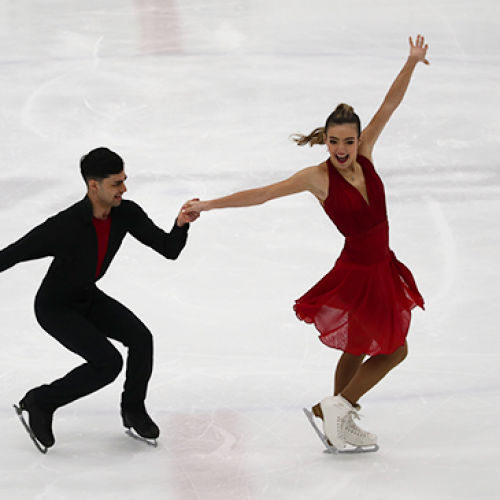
(142, 228)
(36, 244)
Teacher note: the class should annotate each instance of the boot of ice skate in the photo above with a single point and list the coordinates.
(338, 423)
(40, 421)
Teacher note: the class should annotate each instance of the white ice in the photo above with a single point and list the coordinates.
(200, 99)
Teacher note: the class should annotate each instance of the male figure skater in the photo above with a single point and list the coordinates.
(83, 239)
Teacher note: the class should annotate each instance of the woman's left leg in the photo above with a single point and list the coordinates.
(371, 372)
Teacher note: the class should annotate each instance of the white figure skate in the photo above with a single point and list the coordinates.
(341, 434)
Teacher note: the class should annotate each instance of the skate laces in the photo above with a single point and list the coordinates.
(354, 415)
(352, 427)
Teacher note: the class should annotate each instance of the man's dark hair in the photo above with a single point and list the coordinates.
(99, 164)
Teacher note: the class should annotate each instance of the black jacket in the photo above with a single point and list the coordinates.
(70, 238)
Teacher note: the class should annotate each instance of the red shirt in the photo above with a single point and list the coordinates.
(102, 228)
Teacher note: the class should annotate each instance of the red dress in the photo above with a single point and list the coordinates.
(363, 305)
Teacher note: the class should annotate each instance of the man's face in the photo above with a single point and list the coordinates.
(110, 190)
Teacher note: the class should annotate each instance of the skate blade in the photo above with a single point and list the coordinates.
(134, 435)
(333, 450)
(39, 446)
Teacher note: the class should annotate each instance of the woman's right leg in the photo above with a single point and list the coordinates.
(347, 367)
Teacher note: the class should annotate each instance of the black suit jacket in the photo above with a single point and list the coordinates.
(70, 238)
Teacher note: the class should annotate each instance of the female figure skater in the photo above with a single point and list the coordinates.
(363, 305)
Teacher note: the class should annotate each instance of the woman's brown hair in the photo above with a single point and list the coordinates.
(343, 114)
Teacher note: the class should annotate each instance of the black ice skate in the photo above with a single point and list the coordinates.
(39, 427)
(140, 426)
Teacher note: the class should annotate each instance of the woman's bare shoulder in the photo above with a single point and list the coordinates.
(319, 179)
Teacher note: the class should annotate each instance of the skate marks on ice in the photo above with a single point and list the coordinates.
(448, 249)
(333, 449)
(209, 454)
(38, 445)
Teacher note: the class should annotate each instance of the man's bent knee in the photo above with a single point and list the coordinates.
(110, 367)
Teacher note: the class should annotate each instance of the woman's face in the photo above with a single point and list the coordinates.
(342, 142)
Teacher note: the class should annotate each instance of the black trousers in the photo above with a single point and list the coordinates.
(83, 320)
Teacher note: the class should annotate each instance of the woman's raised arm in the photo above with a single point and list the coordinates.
(371, 133)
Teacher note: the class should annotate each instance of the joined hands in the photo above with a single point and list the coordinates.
(187, 214)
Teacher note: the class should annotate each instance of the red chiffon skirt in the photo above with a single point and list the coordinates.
(363, 305)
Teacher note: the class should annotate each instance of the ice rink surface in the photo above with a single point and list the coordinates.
(200, 99)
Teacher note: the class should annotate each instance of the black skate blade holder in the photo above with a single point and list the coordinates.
(42, 449)
(333, 450)
(134, 435)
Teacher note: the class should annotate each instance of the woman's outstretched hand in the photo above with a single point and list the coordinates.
(418, 50)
